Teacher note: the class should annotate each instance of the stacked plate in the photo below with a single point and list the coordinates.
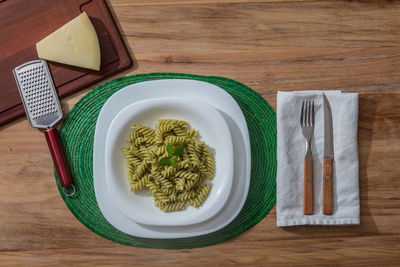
(222, 126)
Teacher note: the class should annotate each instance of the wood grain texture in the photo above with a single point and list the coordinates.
(327, 187)
(353, 46)
(308, 205)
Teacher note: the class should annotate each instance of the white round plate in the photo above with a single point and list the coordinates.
(190, 89)
(212, 130)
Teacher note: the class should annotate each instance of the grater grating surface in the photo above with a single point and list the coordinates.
(38, 94)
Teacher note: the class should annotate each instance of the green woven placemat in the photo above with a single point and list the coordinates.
(77, 136)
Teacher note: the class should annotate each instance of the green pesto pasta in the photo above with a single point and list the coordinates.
(172, 188)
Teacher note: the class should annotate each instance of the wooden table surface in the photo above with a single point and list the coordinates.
(269, 46)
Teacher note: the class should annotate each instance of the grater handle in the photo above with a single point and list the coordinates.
(57, 153)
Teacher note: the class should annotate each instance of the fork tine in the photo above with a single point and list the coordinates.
(301, 114)
(313, 115)
(308, 113)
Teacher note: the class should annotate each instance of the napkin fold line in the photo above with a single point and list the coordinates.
(341, 221)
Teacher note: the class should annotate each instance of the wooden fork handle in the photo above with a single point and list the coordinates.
(328, 188)
(308, 206)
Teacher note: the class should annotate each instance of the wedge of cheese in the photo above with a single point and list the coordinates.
(75, 44)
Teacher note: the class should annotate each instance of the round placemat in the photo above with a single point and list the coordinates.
(77, 136)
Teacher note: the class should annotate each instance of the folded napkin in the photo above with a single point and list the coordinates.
(291, 150)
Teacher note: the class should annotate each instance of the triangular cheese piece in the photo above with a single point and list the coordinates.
(75, 44)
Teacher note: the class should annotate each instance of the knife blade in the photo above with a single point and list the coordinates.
(328, 159)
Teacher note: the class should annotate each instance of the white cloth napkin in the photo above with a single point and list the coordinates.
(291, 150)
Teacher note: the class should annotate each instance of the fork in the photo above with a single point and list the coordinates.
(307, 128)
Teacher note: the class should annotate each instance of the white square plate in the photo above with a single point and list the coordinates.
(191, 89)
(211, 128)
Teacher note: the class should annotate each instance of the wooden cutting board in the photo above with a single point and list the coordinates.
(24, 23)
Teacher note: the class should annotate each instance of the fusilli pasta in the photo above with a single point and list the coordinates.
(172, 188)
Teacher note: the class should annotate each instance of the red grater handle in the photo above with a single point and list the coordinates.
(57, 153)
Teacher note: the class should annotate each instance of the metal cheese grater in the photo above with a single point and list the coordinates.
(43, 110)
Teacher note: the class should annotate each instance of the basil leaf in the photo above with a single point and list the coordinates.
(179, 149)
(172, 162)
(164, 162)
(170, 149)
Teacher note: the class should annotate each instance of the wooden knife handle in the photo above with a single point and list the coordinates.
(308, 187)
(328, 188)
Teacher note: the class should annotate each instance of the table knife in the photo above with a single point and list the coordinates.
(328, 159)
